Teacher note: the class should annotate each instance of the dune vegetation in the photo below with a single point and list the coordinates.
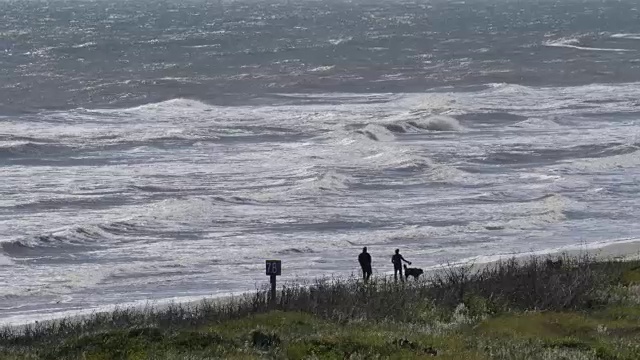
(576, 308)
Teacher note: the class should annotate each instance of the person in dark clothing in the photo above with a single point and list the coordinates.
(397, 260)
(365, 263)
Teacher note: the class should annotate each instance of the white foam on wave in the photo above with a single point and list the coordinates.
(376, 132)
(433, 104)
(574, 43)
(451, 175)
(517, 217)
(551, 103)
(508, 88)
(5, 261)
(329, 181)
(338, 41)
(631, 36)
(398, 159)
(322, 68)
(607, 163)
(374, 149)
(549, 210)
(84, 45)
(167, 105)
(437, 123)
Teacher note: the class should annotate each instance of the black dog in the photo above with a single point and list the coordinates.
(555, 265)
(415, 272)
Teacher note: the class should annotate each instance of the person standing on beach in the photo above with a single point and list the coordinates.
(397, 260)
(365, 263)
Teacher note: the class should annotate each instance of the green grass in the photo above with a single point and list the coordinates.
(594, 313)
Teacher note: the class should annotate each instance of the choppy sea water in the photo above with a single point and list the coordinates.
(156, 150)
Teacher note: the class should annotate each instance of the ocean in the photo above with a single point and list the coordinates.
(162, 151)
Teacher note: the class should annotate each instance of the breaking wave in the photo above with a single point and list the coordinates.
(329, 181)
(78, 236)
(88, 235)
(171, 105)
(376, 133)
(387, 131)
(437, 123)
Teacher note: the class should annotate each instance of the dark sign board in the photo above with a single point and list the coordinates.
(274, 267)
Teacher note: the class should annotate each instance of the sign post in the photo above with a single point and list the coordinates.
(274, 268)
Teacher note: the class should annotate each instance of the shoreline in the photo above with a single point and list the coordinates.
(529, 309)
(627, 249)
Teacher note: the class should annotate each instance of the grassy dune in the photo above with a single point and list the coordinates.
(580, 309)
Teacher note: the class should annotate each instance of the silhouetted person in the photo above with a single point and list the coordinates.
(397, 260)
(365, 263)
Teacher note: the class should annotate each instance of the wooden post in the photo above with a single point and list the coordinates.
(273, 290)
(274, 268)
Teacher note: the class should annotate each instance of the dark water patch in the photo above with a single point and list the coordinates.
(498, 197)
(236, 200)
(515, 158)
(604, 101)
(75, 203)
(294, 251)
(494, 227)
(613, 116)
(34, 149)
(395, 128)
(618, 149)
(156, 189)
(21, 138)
(546, 156)
(120, 227)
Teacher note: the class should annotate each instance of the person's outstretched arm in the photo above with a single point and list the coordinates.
(405, 260)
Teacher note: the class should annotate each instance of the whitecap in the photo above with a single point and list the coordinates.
(322, 68)
(574, 43)
(437, 123)
(631, 36)
(84, 45)
(339, 41)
